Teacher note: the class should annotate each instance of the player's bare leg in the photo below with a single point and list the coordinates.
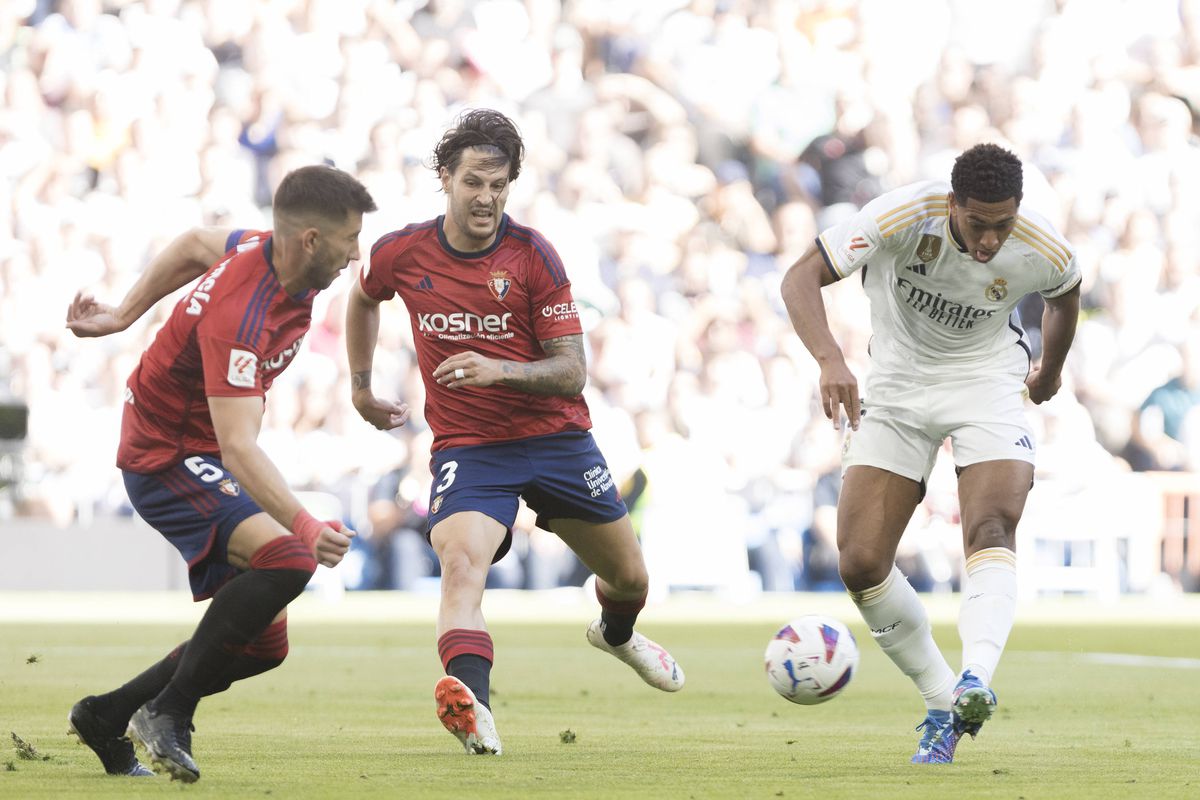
(992, 497)
(873, 510)
(465, 544)
(612, 552)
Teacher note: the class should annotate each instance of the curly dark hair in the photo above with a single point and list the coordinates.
(488, 130)
(987, 173)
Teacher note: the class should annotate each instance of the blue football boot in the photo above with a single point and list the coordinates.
(938, 739)
(973, 704)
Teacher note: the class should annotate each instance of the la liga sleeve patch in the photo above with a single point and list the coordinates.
(243, 368)
(855, 249)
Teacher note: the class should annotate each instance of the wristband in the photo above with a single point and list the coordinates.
(307, 527)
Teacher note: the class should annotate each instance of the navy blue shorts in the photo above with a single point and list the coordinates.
(561, 476)
(196, 505)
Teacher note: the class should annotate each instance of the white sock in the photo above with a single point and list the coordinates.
(899, 623)
(989, 607)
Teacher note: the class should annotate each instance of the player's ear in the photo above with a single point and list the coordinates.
(310, 239)
(444, 177)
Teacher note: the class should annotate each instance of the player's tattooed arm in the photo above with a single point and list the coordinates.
(360, 380)
(561, 373)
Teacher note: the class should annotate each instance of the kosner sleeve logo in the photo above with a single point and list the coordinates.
(243, 367)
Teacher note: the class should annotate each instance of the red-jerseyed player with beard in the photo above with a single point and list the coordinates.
(500, 350)
(193, 410)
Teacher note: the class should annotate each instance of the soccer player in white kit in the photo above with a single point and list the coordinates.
(944, 267)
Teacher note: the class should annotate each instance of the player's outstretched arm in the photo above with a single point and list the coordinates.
(1058, 331)
(362, 334)
(184, 259)
(562, 373)
(801, 290)
(237, 421)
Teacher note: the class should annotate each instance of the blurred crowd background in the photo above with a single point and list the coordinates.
(681, 155)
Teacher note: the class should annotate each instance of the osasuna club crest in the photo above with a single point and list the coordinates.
(499, 283)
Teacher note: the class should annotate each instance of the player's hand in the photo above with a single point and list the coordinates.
(86, 318)
(468, 369)
(383, 414)
(333, 542)
(839, 389)
(1041, 386)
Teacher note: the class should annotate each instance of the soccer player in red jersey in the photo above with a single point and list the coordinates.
(500, 349)
(192, 464)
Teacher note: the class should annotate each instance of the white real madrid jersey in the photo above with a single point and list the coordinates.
(935, 310)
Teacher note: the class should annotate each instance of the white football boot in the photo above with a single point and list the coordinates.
(469, 721)
(654, 664)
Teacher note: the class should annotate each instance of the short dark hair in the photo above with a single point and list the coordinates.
(988, 173)
(486, 129)
(321, 191)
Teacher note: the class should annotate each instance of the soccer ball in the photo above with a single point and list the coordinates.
(811, 659)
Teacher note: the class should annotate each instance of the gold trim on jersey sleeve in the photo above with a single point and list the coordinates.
(901, 217)
(1055, 259)
(1062, 255)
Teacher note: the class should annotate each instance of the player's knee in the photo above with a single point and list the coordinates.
(998, 530)
(288, 560)
(629, 580)
(861, 569)
(460, 569)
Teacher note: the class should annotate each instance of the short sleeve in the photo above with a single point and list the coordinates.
(373, 277)
(551, 302)
(231, 368)
(848, 245)
(1071, 278)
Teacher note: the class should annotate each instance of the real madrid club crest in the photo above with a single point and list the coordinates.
(929, 247)
(499, 283)
(230, 487)
(437, 504)
(997, 291)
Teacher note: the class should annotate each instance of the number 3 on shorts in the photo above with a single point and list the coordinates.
(447, 473)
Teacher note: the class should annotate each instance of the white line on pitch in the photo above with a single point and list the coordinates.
(1113, 659)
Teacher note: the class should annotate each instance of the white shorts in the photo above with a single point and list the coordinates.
(904, 423)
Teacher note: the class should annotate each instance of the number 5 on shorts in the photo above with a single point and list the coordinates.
(203, 470)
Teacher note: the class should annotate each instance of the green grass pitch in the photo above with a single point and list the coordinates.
(350, 715)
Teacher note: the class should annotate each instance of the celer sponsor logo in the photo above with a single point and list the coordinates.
(561, 310)
(886, 628)
(598, 479)
(284, 356)
(941, 310)
(463, 322)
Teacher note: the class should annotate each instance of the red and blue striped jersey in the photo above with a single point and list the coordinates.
(501, 302)
(229, 336)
